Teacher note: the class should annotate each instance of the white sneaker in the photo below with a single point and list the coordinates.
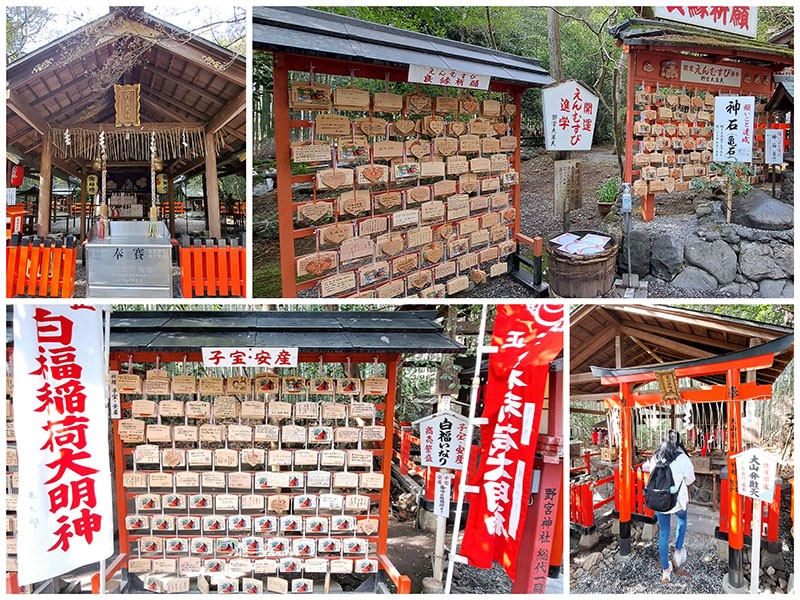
(679, 557)
(665, 576)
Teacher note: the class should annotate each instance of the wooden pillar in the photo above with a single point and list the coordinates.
(45, 186)
(212, 188)
(735, 503)
(82, 207)
(171, 201)
(386, 458)
(625, 471)
(516, 193)
(204, 186)
(283, 160)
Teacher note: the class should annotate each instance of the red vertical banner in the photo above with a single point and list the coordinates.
(528, 337)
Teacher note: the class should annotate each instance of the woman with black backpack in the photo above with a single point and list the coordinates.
(667, 493)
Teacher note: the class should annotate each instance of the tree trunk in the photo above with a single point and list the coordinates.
(489, 27)
(617, 128)
(554, 45)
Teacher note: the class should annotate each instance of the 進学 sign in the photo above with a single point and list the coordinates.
(570, 113)
(756, 471)
(443, 440)
(742, 20)
(733, 128)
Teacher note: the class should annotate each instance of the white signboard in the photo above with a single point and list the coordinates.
(443, 440)
(235, 356)
(65, 520)
(570, 113)
(733, 19)
(733, 128)
(755, 474)
(448, 77)
(773, 146)
(693, 71)
(441, 497)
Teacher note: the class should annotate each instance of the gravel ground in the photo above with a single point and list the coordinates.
(640, 572)
(471, 580)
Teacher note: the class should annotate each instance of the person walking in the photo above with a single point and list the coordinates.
(667, 492)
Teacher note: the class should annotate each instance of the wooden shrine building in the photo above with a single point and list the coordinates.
(139, 82)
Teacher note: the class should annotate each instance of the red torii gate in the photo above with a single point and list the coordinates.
(733, 393)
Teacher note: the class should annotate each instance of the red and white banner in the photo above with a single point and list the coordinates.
(529, 337)
(733, 19)
(65, 505)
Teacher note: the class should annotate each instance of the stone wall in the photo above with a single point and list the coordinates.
(751, 256)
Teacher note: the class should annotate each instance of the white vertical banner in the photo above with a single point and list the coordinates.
(733, 128)
(65, 518)
(773, 146)
(569, 115)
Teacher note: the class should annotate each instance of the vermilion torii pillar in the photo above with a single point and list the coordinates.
(733, 393)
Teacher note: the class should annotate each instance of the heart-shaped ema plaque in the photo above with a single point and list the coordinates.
(404, 127)
(317, 266)
(420, 280)
(251, 457)
(314, 211)
(355, 203)
(469, 105)
(333, 179)
(458, 128)
(509, 110)
(500, 128)
(389, 199)
(368, 526)
(669, 185)
(406, 264)
(477, 276)
(433, 253)
(446, 146)
(420, 102)
(468, 183)
(445, 232)
(435, 127)
(391, 246)
(419, 194)
(509, 214)
(372, 126)
(336, 234)
(373, 173)
(419, 148)
(650, 145)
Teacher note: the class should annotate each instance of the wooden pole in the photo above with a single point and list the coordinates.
(755, 549)
(171, 201)
(45, 187)
(625, 471)
(212, 188)
(82, 207)
(283, 161)
(735, 504)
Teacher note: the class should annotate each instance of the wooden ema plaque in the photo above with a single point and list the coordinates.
(266, 479)
(416, 165)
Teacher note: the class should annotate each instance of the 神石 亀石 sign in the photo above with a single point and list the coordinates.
(249, 357)
(443, 440)
(733, 19)
(570, 113)
(733, 128)
(773, 146)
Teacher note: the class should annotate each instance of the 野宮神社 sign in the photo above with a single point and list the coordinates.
(447, 77)
(733, 128)
(773, 146)
(65, 516)
(693, 71)
(570, 113)
(756, 471)
(443, 440)
(249, 357)
(733, 19)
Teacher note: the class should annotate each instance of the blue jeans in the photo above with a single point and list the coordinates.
(663, 535)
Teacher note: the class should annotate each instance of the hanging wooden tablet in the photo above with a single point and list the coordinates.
(370, 275)
(351, 98)
(419, 148)
(333, 180)
(330, 124)
(403, 127)
(310, 153)
(457, 128)
(310, 96)
(386, 102)
(490, 108)
(418, 104)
